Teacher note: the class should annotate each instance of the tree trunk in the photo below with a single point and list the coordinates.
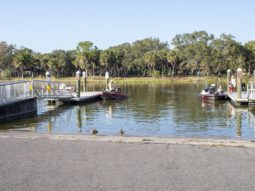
(173, 69)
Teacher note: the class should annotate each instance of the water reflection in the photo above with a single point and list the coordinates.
(210, 105)
(243, 116)
(79, 121)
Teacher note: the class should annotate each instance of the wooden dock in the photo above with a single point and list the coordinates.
(244, 100)
(86, 97)
(58, 92)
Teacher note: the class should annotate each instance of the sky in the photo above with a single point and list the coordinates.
(46, 25)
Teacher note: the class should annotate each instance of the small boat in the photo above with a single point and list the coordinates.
(114, 94)
(214, 94)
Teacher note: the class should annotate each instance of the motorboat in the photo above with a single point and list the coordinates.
(114, 94)
(214, 93)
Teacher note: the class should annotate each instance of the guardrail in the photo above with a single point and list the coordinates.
(46, 89)
(13, 91)
(251, 87)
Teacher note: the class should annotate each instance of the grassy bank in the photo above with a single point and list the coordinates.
(134, 80)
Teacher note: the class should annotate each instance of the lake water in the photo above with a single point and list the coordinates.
(166, 110)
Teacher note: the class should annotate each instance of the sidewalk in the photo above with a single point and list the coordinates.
(84, 162)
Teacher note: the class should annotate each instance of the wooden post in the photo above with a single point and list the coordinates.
(78, 83)
(48, 76)
(107, 80)
(84, 76)
(239, 82)
(126, 89)
(228, 79)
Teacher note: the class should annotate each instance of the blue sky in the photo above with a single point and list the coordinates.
(46, 25)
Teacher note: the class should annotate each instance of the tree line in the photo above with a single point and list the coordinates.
(197, 53)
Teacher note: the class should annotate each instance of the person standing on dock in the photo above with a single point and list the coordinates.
(48, 89)
(232, 84)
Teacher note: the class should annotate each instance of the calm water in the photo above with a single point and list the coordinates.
(151, 110)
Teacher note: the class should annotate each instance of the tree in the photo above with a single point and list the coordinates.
(150, 61)
(23, 59)
(195, 49)
(227, 53)
(6, 55)
(173, 58)
(250, 55)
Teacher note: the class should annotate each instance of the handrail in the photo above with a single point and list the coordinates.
(12, 91)
(12, 83)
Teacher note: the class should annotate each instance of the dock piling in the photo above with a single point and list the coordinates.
(107, 80)
(84, 76)
(239, 83)
(228, 79)
(78, 83)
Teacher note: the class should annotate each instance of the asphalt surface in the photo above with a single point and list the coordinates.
(42, 163)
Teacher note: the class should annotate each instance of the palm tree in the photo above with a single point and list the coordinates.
(150, 60)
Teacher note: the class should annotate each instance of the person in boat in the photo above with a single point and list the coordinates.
(220, 90)
(111, 86)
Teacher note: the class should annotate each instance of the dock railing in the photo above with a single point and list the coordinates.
(13, 91)
(51, 90)
(251, 87)
(251, 90)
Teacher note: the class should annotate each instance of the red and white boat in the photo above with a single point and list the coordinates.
(213, 94)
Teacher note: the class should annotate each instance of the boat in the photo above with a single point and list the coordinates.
(213, 93)
(114, 94)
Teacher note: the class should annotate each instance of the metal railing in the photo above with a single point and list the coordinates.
(251, 87)
(251, 90)
(13, 91)
(47, 89)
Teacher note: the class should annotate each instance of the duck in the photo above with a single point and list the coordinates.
(93, 131)
(121, 132)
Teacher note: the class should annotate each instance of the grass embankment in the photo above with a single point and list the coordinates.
(134, 80)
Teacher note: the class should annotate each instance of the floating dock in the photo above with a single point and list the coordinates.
(16, 100)
(19, 99)
(85, 97)
(246, 97)
(57, 91)
(244, 100)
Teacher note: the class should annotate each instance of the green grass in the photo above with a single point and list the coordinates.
(135, 80)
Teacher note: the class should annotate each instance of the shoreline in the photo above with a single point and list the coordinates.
(214, 142)
(133, 80)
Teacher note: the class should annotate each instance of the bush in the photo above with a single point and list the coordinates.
(5, 73)
(155, 74)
